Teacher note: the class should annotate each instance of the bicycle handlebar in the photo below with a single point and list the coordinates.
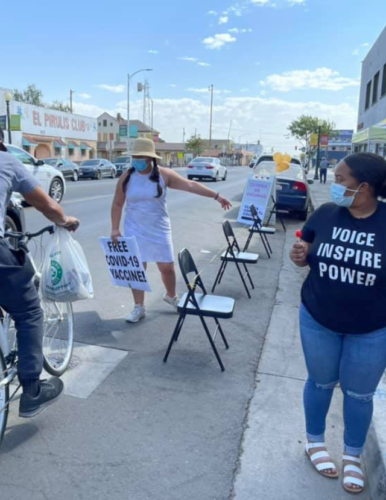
(28, 235)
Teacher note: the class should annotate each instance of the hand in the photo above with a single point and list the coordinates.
(71, 224)
(225, 204)
(115, 234)
(299, 254)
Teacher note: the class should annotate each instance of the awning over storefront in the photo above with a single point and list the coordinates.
(85, 146)
(59, 143)
(27, 142)
(376, 133)
(72, 145)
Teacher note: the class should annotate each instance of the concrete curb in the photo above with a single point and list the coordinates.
(375, 451)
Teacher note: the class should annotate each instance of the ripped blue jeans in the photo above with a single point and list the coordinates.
(357, 362)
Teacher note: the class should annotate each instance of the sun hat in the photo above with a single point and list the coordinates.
(144, 147)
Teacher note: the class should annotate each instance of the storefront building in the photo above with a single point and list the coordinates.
(371, 129)
(48, 133)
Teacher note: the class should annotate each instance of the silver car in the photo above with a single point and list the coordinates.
(207, 168)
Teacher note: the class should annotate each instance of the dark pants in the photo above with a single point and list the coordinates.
(18, 297)
(323, 175)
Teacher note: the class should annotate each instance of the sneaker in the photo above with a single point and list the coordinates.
(50, 391)
(137, 313)
(172, 301)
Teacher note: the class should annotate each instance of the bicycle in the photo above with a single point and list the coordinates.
(58, 333)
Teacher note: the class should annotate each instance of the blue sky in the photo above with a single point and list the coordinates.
(269, 60)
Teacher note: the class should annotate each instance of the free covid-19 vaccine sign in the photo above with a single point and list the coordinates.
(124, 263)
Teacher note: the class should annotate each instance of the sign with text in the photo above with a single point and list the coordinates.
(125, 264)
(258, 192)
(324, 140)
(36, 120)
(15, 122)
(123, 130)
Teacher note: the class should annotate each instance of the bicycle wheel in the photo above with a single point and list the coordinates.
(4, 397)
(58, 336)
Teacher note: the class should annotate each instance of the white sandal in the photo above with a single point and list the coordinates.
(348, 479)
(322, 466)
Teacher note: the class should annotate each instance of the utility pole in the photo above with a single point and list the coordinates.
(316, 177)
(71, 93)
(183, 135)
(129, 77)
(211, 115)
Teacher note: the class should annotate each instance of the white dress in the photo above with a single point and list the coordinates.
(147, 218)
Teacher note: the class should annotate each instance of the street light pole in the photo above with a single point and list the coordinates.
(316, 176)
(71, 94)
(211, 115)
(8, 98)
(129, 77)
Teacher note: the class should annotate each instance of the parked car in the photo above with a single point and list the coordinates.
(122, 163)
(207, 168)
(292, 187)
(98, 168)
(69, 169)
(262, 158)
(50, 178)
(15, 219)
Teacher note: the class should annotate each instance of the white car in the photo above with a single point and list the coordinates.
(50, 178)
(207, 168)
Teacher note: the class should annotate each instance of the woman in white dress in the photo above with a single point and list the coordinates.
(143, 188)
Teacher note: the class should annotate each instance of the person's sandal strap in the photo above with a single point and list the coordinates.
(319, 454)
(352, 459)
(352, 468)
(324, 466)
(310, 446)
(354, 480)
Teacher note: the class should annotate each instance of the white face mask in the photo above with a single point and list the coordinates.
(338, 195)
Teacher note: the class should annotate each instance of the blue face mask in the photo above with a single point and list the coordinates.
(338, 195)
(139, 164)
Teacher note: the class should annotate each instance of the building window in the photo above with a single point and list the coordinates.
(375, 88)
(111, 124)
(83, 152)
(99, 123)
(57, 151)
(368, 95)
(105, 123)
(70, 152)
(27, 148)
(383, 90)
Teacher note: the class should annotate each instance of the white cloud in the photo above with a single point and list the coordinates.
(219, 40)
(366, 44)
(246, 30)
(189, 59)
(212, 13)
(243, 30)
(223, 20)
(321, 78)
(153, 52)
(204, 64)
(355, 52)
(260, 2)
(272, 116)
(359, 50)
(206, 91)
(234, 30)
(173, 85)
(116, 89)
(84, 96)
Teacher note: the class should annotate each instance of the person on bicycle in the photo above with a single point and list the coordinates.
(18, 295)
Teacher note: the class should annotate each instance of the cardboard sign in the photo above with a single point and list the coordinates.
(258, 192)
(125, 264)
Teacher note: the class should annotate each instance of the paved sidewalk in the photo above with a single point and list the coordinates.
(272, 464)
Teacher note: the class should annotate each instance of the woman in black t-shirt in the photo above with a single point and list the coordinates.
(343, 311)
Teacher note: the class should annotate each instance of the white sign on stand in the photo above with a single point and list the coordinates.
(259, 191)
(125, 264)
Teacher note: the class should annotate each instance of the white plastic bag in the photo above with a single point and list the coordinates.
(65, 274)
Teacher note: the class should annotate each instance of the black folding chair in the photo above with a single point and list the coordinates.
(261, 230)
(235, 255)
(278, 213)
(200, 304)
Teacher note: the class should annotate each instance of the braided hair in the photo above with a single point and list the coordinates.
(154, 177)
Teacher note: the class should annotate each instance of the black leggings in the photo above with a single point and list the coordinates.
(323, 175)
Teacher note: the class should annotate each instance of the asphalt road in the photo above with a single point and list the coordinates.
(137, 428)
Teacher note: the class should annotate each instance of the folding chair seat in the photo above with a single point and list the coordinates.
(235, 255)
(200, 304)
(261, 230)
(278, 212)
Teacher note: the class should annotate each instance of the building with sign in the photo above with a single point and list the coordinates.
(371, 129)
(112, 134)
(45, 132)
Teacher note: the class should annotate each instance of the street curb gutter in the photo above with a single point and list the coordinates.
(375, 451)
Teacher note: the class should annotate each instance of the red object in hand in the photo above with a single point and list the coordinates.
(298, 234)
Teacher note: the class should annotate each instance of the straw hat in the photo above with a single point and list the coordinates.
(144, 147)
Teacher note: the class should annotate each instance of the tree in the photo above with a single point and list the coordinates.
(31, 95)
(60, 106)
(195, 144)
(305, 125)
